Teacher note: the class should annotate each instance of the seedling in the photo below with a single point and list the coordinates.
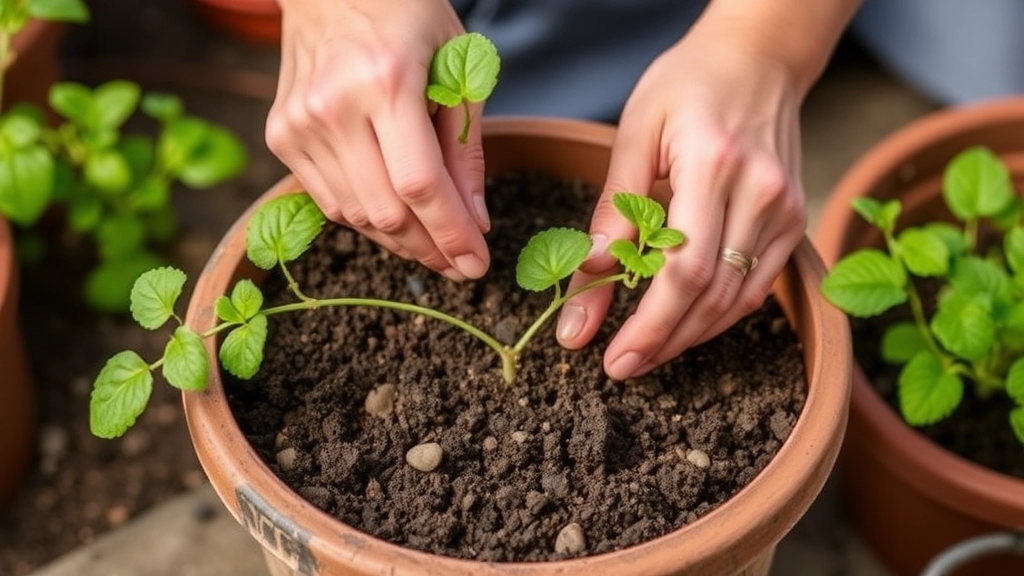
(279, 232)
(114, 189)
(463, 70)
(977, 329)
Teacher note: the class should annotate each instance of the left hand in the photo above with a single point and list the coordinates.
(720, 120)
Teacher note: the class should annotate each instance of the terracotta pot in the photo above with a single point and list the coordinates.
(909, 498)
(253, 20)
(17, 399)
(738, 537)
(36, 65)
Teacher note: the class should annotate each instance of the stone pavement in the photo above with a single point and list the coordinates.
(853, 106)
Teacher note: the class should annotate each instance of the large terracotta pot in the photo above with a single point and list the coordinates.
(737, 538)
(36, 65)
(17, 399)
(253, 20)
(909, 498)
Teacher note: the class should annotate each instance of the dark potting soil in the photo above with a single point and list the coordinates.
(978, 430)
(627, 461)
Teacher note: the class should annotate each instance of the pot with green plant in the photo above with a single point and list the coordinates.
(924, 237)
(264, 276)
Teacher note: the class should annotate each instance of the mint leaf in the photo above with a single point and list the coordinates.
(927, 392)
(154, 295)
(466, 65)
(26, 184)
(72, 100)
(963, 324)
(242, 351)
(878, 214)
(246, 298)
(162, 107)
(901, 342)
(974, 275)
(866, 283)
(643, 212)
(114, 102)
(185, 364)
(951, 236)
(551, 255)
(282, 229)
(666, 238)
(59, 10)
(1013, 246)
(119, 395)
(629, 256)
(976, 183)
(20, 131)
(1015, 381)
(226, 311)
(218, 157)
(923, 253)
(179, 140)
(119, 237)
(107, 170)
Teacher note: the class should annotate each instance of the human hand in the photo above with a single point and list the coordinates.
(351, 120)
(720, 121)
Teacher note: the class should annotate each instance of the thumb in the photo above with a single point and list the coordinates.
(465, 160)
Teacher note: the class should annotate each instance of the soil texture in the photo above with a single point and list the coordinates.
(617, 463)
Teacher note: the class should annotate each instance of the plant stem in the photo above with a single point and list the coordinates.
(465, 123)
(5, 54)
(917, 308)
(557, 303)
(293, 285)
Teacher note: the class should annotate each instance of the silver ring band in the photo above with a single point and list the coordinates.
(739, 260)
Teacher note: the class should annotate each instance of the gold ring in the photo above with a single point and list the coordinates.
(741, 261)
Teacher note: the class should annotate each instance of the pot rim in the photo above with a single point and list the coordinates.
(759, 514)
(941, 474)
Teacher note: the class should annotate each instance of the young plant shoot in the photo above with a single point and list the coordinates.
(977, 329)
(279, 232)
(463, 70)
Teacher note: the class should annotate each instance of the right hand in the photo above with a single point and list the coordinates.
(352, 121)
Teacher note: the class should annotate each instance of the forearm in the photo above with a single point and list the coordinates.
(800, 35)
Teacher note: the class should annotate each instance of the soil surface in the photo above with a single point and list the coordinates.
(623, 461)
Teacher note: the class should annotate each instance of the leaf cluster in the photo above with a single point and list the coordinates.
(279, 232)
(463, 70)
(114, 188)
(976, 331)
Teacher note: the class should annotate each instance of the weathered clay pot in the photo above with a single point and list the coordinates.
(909, 498)
(737, 538)
(17, 397)
(36, 65)
(253, 20)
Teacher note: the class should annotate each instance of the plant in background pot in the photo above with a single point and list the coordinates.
(921, 200)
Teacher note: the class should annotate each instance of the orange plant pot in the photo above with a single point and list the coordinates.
(737, 538)
(36, 65)
(256, 21)
(908, 498)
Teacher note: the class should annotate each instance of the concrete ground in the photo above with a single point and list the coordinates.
(853, 106)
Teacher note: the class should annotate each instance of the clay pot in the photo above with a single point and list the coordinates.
(909, 498)
(36, 65)
(737, 538)
(253, 20)
(17, 398)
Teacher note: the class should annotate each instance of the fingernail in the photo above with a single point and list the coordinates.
(483, 218)
(599, 245)
(453, 274)
(571, 321)
(471, 265)
(625, 366)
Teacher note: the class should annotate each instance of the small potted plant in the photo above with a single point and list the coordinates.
(936, 423)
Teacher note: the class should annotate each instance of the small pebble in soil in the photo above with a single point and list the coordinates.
(490, 444)
(570, 540)
(117, 515)
(519, 436)
(380, 401)
(286, 459)
(424, 457)
(417, 286)
(53, 445)
(698, 458)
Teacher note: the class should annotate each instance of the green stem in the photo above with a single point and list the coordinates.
(971, 233)
(293, 285)
(5, 54)
(917, 308)
(557, 303)
(465, 123)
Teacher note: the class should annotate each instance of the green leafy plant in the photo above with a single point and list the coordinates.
(116, 189)
(463, 70)
(278, 233)
(976, 331)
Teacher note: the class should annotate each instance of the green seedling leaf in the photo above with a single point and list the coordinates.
(242, 351)
(139, 152)
(282, 229)
(923, 253)
(26, 184)
(866, 283)
(119, 395)
(185, 364)
(20, 131)
(963, 325)
(119, 237)
(643, 265)
(226, 311)
(154, 295)
(114, 102)
(108, 171)
(927, 392)
(465, 68)
(59, 10)
(550, 256)
(1011, 326)
(179, 140)
(1017, 422)
(245, 302)
(901, 342)
(151, 194)
(974, 275)
(85, 213)
(73, 101)
(219, 157)
(162, 107)
(878, 214)
(951, 236)
(643, 212)
(976, 184)
(108, 286)
(1015, 381)
(1013, 247)
(1010, 216)
(666, 238)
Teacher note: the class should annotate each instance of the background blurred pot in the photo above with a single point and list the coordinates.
(908, 497)
(253, 20)
(36, 63)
